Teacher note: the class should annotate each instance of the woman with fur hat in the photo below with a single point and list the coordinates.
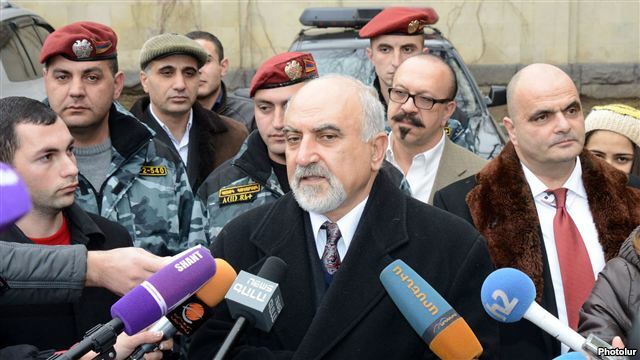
(613, 134)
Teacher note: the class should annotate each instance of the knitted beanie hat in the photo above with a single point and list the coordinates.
(171, 44)
(621, 119)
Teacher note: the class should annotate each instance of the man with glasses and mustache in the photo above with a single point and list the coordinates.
(421, 102)
(545, 205)
(343, 223)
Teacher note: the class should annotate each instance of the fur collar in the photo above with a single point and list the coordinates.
(503, 210)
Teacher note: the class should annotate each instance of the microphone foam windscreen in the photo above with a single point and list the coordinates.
(507, 294)
(213, 292)
(439, 325)
(273, 269)
(15, 201)
(165, 289)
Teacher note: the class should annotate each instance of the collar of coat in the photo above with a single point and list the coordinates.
(504, 212)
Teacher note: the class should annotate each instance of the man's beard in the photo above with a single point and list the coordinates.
(311, 197)
(408, 118)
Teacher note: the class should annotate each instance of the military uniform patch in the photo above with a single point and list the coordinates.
(238, 194)
(147, 170)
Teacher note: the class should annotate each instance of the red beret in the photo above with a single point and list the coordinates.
(283, 70)
(399, 21)
(81, 41)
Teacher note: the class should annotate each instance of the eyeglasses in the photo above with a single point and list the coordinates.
(420, 101)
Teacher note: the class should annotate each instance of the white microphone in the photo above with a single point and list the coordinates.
(508, 295)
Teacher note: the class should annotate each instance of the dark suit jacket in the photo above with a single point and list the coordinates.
(355, 318)
(212, 140)
(498, 202)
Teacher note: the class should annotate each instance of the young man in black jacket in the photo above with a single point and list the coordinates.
(37, 143)
(212, 91)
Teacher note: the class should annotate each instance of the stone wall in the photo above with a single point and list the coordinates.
(594, 80)
(598, 41)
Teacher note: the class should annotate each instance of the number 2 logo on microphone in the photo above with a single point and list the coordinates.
(501, 311)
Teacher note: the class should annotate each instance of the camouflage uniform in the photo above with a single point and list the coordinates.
(239, 184)
(248, 181)
(146, 190)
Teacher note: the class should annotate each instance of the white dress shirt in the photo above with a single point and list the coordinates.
(422, 172)
(183, 145)
(577, 206)
(347, 225)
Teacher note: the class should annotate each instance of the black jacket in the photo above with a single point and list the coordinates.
(235, 107)
(58, 326)
(212, 140)
(354, 318)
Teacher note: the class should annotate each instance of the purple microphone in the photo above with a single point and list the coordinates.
(165, 290)
(14, 197)
(149, 301)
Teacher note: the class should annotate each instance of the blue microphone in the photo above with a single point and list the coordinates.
(508, 295)
(571, 356)
(439, 325)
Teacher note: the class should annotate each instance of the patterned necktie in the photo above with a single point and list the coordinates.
(575, 266)
(330, 256)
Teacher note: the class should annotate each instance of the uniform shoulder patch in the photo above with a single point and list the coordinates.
(148, 170)
(238, 194)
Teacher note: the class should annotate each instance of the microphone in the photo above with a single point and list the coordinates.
(508, 295)
(573, 355)
(437, 323)
(188, 317)
(254, 299)
(15, 201)
(147, 302)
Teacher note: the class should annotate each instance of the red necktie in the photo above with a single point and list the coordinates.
(330, 256)
(575, 266)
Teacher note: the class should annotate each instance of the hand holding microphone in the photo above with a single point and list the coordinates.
(189, 316)
(508, 295)
(152, 299)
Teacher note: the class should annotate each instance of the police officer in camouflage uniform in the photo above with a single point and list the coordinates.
(257, 174)
(126, 175)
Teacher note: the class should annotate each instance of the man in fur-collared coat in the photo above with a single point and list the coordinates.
(512, 204)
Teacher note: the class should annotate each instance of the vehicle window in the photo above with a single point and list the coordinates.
(19, 50)
(352, 62)
(465, 98)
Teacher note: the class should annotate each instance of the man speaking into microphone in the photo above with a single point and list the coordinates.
(341, 225)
